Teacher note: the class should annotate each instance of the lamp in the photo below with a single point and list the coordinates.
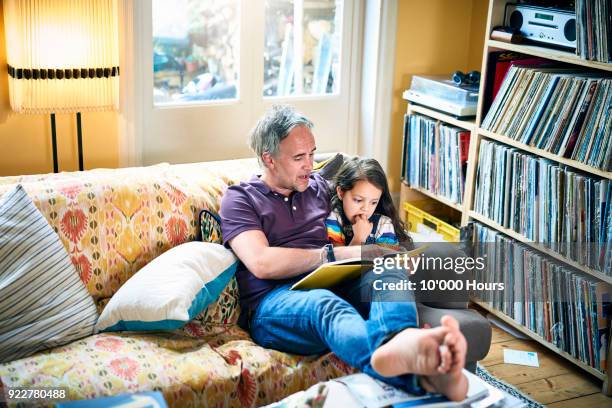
(63, 57)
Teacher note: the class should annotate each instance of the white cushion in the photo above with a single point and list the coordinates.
(171, 290)
(43, 302)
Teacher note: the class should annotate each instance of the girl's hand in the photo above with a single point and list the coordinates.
(361, 229)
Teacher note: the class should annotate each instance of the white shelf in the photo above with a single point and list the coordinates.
(543, 153)
(461, 123)
(549, 53)
(436, 197)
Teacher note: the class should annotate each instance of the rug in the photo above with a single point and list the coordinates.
(486, 376)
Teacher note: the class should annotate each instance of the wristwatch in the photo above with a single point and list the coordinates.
(330, 253)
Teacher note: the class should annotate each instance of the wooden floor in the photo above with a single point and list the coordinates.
(557, 383)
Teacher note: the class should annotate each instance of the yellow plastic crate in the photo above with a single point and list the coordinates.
(415, 216)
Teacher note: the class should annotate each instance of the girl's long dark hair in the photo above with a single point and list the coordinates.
(358, 169)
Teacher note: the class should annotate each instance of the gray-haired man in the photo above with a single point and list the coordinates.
(275, 223)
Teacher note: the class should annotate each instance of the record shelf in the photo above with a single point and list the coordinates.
(415, 193)
(466, 209)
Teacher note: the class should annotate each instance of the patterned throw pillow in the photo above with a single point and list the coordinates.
(170, 290)
(210, 227)
(43, 302)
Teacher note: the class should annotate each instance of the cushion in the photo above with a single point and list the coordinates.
(171, 290)
(328, 168)
(210, 227)
(227, 370)
(43, 302)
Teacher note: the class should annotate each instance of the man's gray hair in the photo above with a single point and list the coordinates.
(273, 127)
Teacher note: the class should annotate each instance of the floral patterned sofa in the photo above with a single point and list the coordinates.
(112, 223)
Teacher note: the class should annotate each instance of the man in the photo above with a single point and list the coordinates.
(275, 224)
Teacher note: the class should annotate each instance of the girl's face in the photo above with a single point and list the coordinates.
(362, 199)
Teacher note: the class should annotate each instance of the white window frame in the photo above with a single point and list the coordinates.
(371, 63)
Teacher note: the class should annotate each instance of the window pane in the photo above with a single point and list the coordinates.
(302, 47)
(195, 50)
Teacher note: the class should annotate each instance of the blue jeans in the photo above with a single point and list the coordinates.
(352, 320)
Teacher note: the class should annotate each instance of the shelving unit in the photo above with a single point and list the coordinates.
(543, 153)
(429, 194)
(495, 18)
(548, 53)
(539, 339)
(512, 234)
(415, 193)
(467, 124)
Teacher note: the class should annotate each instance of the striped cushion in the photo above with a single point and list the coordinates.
(43, 303)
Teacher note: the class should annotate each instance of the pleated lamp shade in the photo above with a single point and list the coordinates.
(62, 55)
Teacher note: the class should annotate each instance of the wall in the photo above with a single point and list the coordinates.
(25, 140)
(433, 37)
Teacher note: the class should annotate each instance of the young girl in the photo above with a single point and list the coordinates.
(362, 209)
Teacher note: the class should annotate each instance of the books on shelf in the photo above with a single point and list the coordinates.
(594, 30)
(562, 306)
(435, 156)
(548, 203)
(567, 112)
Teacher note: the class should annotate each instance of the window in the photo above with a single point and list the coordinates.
(302, 47)
(195, 50)
(206, 70)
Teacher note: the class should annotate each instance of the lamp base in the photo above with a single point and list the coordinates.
(79, 142)
(54, 143)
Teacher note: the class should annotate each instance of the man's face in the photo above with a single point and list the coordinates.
(292, 165)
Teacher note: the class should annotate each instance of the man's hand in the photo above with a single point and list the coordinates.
(361, 229)
(266, 262)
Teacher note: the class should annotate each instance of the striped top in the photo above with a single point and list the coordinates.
(382, 233)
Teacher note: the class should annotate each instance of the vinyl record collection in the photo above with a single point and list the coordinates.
(594, 30)
(435, 156)
(562, 306)
(565, 210)
(567, 112)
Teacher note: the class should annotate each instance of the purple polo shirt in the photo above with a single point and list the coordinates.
(297, 221)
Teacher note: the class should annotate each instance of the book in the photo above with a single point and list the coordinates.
(146, 399)
(333, 273)
(373, 393)
(405, 147)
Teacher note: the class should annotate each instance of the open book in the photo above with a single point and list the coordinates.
(332, 273)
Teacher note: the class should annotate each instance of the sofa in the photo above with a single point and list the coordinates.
(112, 223)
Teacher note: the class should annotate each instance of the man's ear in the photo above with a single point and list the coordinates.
(266, 157)
(340, 193)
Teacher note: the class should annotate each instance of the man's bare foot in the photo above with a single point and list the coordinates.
(414, 351)
(456, 343)
(453, 385)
